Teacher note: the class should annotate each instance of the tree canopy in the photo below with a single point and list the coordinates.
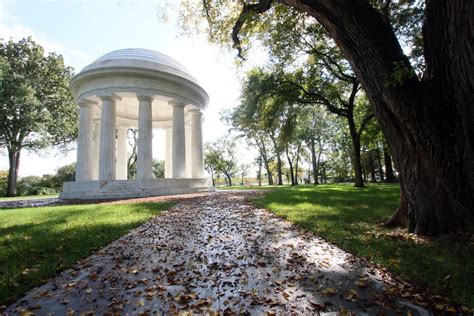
(422, 99)
(36, 107)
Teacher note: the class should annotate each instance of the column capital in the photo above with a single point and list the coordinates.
(195, 112)
(177, 103)
(110, 97)
(83, 103)
(145, 97)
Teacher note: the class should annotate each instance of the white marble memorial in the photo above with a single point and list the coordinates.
(144, 89)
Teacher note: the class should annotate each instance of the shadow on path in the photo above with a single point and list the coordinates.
(217, 252)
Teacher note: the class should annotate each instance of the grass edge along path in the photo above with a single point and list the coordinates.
(350, 218)
(38, 243)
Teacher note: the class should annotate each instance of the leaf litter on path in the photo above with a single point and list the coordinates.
(216, 252)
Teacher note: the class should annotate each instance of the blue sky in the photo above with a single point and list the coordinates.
(83, 30)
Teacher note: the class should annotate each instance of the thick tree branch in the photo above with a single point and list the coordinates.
(364, 123)
(247, 11)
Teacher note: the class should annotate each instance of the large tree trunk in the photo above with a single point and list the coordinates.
(356, 161)
(260, 172)
(14, 161)
(290, 163)
(371, 156)
(314, 162)
(296, 171)
(263, 152)
(429, 124)
(279, 164)
(379, 163)
(269, 173)
(387, 158)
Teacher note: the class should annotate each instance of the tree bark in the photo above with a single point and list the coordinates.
(296, 172)
(389, 174)
(263, 152)
(356, 161)
(373, 177)
(314, 162)
(428, 124)
(14, 161)
(213, 180)
(379, 163)
(290, 163)
(229, 180)
(279, 164)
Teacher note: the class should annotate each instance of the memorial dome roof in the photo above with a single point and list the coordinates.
(140, 58)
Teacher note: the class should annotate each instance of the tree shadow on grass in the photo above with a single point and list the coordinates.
(33, 252)
(351, 220)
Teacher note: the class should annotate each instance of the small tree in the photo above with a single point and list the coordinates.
(220, 157)
(36, 107)
(244, 170)
(211, 156)
(132, 135)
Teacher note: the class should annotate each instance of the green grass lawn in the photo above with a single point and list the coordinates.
(37, 243)
(245, 187)
(27, 197)
(349, 217)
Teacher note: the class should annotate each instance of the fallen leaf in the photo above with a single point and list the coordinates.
(329, 291)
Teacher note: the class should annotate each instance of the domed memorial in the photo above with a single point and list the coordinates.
(144, 89)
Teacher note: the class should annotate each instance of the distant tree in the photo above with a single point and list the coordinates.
(221, 157)
(132, 135)
(3, 182)
(159, 168)
(211, 157)
(244, 170)
(35, 185)
(36, 107)
(63, 174)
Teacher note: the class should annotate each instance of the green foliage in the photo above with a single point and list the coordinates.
(159, 168)
(47, 184)
(3, 182)
(32, 185)
(37, 243)
(36, 107)
(349, 217)
(400, 73)
(220, 157)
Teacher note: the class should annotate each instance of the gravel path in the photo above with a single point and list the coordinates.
(217, 252)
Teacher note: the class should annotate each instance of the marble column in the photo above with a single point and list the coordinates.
(145, 137)
(189, 157)
(107, 138)
(121, 163)
(168, 156)
(197, 160)
(178, 152)
(95, 150)
(84, 170)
